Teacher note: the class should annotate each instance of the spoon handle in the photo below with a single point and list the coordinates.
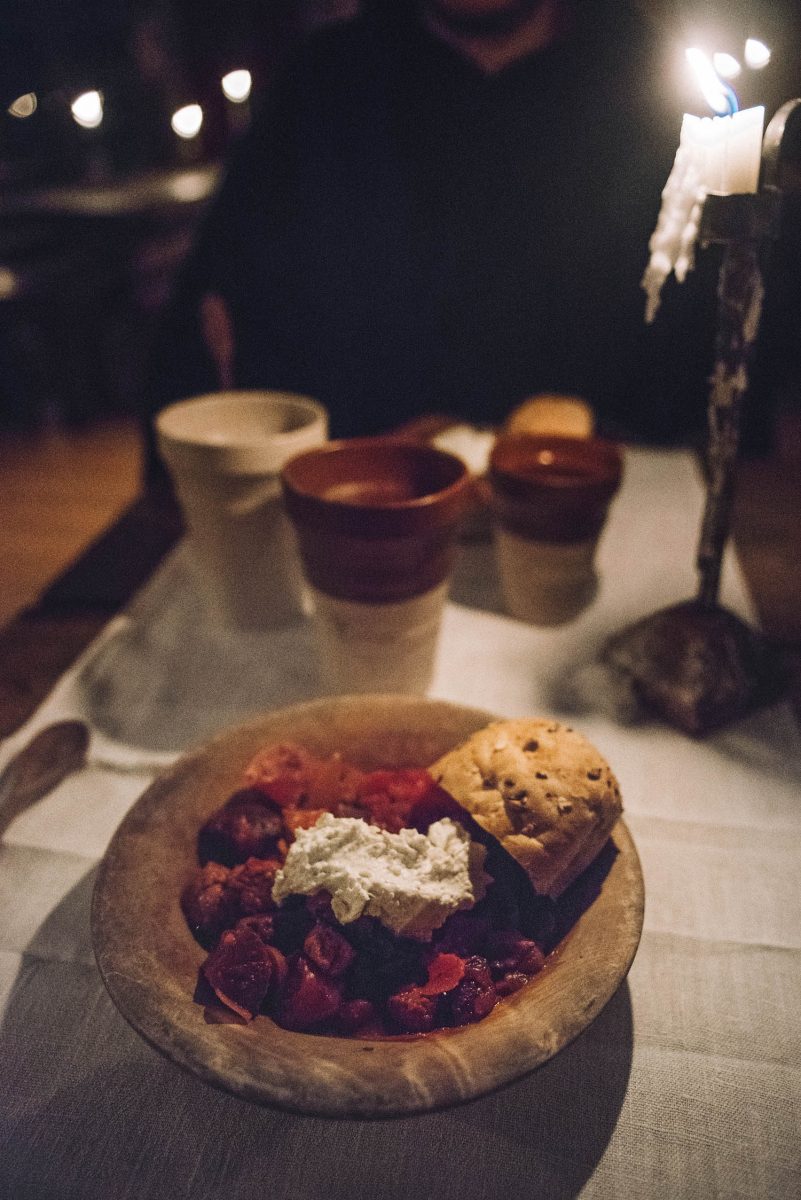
(52, 754)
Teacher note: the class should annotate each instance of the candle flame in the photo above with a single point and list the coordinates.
(720, 98)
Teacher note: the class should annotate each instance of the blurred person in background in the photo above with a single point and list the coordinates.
(445, 207)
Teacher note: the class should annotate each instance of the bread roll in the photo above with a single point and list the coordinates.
(541, 789)
(562, 416)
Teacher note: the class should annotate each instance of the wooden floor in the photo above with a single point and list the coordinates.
(58, 491)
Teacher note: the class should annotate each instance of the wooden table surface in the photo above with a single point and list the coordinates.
(37, 646)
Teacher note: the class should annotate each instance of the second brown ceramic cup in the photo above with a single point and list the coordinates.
(550, 498)
(376, 521)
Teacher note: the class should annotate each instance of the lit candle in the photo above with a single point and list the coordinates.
(732, 150)
(716, 154)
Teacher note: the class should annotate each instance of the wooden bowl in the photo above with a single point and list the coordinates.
(149, 961)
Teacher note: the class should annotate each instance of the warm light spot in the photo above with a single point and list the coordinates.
(545, 458)
(186, 121)
(716, 94)
(726, 65)
(23, 106)
(87, 110)
(236, 85)
(757, 54)
(189, 187)
(8, 283)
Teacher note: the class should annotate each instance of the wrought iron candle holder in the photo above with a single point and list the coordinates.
(696, 664)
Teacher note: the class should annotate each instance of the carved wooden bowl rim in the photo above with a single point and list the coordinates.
(149, 961)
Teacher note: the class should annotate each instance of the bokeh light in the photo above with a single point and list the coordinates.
(24, 106)
(236, 85)
(726, 65)
(757, 54)
(87, 110)
(186, 121)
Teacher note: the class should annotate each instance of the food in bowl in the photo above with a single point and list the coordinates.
(396, 902)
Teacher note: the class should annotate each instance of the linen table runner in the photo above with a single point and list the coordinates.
(687, 1085)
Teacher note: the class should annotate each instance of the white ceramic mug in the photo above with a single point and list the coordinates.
(224, 452)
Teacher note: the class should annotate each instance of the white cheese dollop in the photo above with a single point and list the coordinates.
(410, 881)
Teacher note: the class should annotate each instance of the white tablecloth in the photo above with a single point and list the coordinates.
(687, 1085)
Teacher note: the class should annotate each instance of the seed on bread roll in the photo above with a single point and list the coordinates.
(542, 790)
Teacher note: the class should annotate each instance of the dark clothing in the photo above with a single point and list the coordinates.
(400, 234)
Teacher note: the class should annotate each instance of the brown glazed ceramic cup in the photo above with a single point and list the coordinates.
(376, 518)
(376, 521)
(550, 498)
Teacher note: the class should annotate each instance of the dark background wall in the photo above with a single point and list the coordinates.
(95, 222)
